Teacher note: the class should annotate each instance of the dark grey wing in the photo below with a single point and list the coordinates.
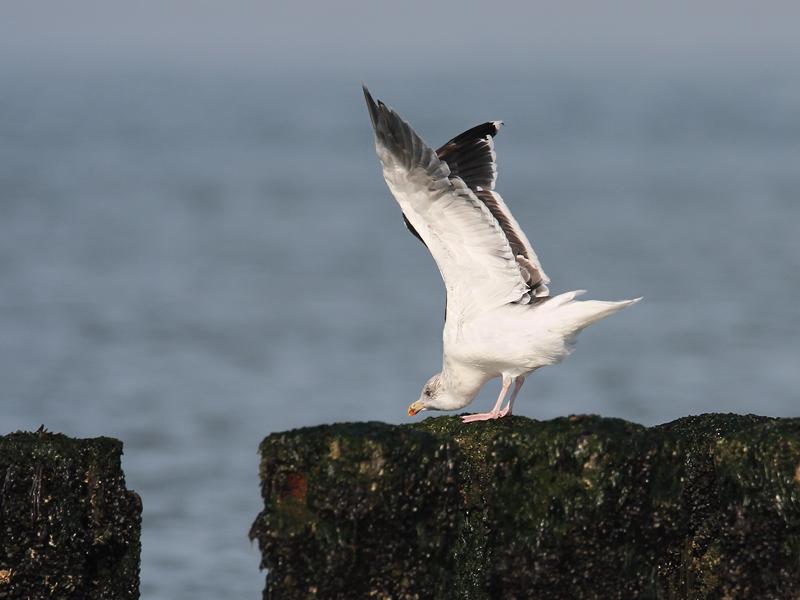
(474, 257)
(530, 266)
(471, 156)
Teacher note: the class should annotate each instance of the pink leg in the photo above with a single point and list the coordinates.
(495, 412)
(517, 386)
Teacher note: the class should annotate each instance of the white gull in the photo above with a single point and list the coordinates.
(500, 319)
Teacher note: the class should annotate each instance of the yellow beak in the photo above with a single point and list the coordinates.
(415, 408)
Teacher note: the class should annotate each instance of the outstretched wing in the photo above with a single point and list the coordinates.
(471, 157)
(475, 259)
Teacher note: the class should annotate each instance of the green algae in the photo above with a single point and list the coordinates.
(578, 507)
(68, 526)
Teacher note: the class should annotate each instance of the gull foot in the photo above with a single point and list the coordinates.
(480, 417)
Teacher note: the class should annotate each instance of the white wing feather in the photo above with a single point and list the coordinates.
(474, 257)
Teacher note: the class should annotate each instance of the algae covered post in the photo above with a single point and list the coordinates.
(580, 507)
(69, 528)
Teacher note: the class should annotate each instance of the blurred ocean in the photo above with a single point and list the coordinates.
(191, 260)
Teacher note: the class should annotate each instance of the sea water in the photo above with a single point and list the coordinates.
(192, 259)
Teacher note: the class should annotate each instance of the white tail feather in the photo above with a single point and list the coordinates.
(580, 314)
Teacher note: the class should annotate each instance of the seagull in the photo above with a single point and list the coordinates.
(500, 319)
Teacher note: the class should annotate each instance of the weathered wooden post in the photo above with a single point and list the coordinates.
(578, 507)
(68, 526)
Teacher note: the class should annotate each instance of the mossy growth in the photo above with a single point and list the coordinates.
(69, 529)
(577, 507)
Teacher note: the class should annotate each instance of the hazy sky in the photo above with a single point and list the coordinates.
(406, 33)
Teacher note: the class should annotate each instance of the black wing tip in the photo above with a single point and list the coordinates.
(378, 109)
(374, 110)
(385, 122)
(397, 136)
(490, 129)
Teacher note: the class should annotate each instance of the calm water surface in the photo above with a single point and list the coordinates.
(190, 261)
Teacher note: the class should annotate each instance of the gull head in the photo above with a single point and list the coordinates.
(431, 397)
